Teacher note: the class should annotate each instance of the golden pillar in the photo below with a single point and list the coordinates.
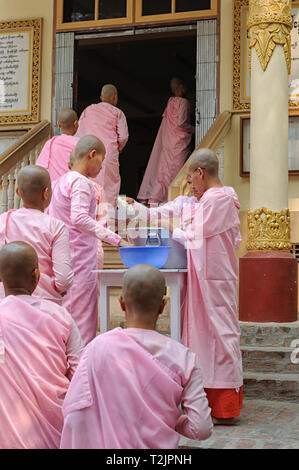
(268, 273)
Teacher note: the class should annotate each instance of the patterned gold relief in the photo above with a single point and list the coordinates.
(269, 25)
(35, 25)
(268, 230)
(239, 105)
(238, 5)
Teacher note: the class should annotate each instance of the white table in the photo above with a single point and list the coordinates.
(174, 278)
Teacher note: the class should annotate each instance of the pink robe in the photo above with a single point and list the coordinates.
(171, 148)
(50, 239)
(100, 202)
(101, 215)
(74, 202)
(209, 319)
(40, 347)
(127, 392)
(55, 155)
(109, 124)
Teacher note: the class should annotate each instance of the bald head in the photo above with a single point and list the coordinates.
(144, 289)
(178, 86)
(33, 180)
(67, 117)
(205, 159)
(19, 266)
(108, 92)
(175, 82)
(86, 145)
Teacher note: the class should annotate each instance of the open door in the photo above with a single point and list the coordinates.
(141, 66)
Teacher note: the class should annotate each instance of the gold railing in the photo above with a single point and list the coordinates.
(23, 152)
(212, 140)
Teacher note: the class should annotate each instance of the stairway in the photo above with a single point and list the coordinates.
(268, 370)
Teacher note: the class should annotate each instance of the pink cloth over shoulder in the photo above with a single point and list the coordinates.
(209, 316)
(171, 148)
(127, 392)
(74, 203)
(109, 124)
(40, 347)
(55, 155)
(50, 239)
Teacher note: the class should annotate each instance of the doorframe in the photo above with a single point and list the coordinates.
(65, 87)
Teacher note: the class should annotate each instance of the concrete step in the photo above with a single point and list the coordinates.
(268, 334)
(275, 359)
(271, 386)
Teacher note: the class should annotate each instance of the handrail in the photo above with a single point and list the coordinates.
(16, 152)
(21, 153)
(211, 140)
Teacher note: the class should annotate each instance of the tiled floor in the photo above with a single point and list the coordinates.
(262, 425)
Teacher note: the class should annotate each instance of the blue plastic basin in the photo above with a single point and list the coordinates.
(154, 255)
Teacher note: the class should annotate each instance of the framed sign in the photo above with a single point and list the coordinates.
(20, 43)
(241, 83)
(293, 145)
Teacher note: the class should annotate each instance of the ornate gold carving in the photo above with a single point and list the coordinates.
(36, 25)
(238, 36)
(269, 24)
(268, 230)
(237, 105)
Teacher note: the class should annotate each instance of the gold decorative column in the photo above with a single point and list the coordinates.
(269, 26)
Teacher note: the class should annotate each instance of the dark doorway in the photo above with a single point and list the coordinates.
(141, 69)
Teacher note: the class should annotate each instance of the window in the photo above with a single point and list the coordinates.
(78, 10)
(171, 10)
(81, 14)
(155, 7)
(77, 14)
(192, 5)
(112, 9)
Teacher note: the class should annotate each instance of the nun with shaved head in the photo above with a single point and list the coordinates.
(207, 224)
(40, 347)
(171, 147)
(55, 154)
(136, 388)
(48, 236)
(109, 124)
(74, 203)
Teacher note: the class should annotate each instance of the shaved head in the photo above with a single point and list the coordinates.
(67, 117)
(108, 91)
(85, 145)
(143, 289)
(205, 159)
(32, 181)
(18, 261)
(175, 82)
